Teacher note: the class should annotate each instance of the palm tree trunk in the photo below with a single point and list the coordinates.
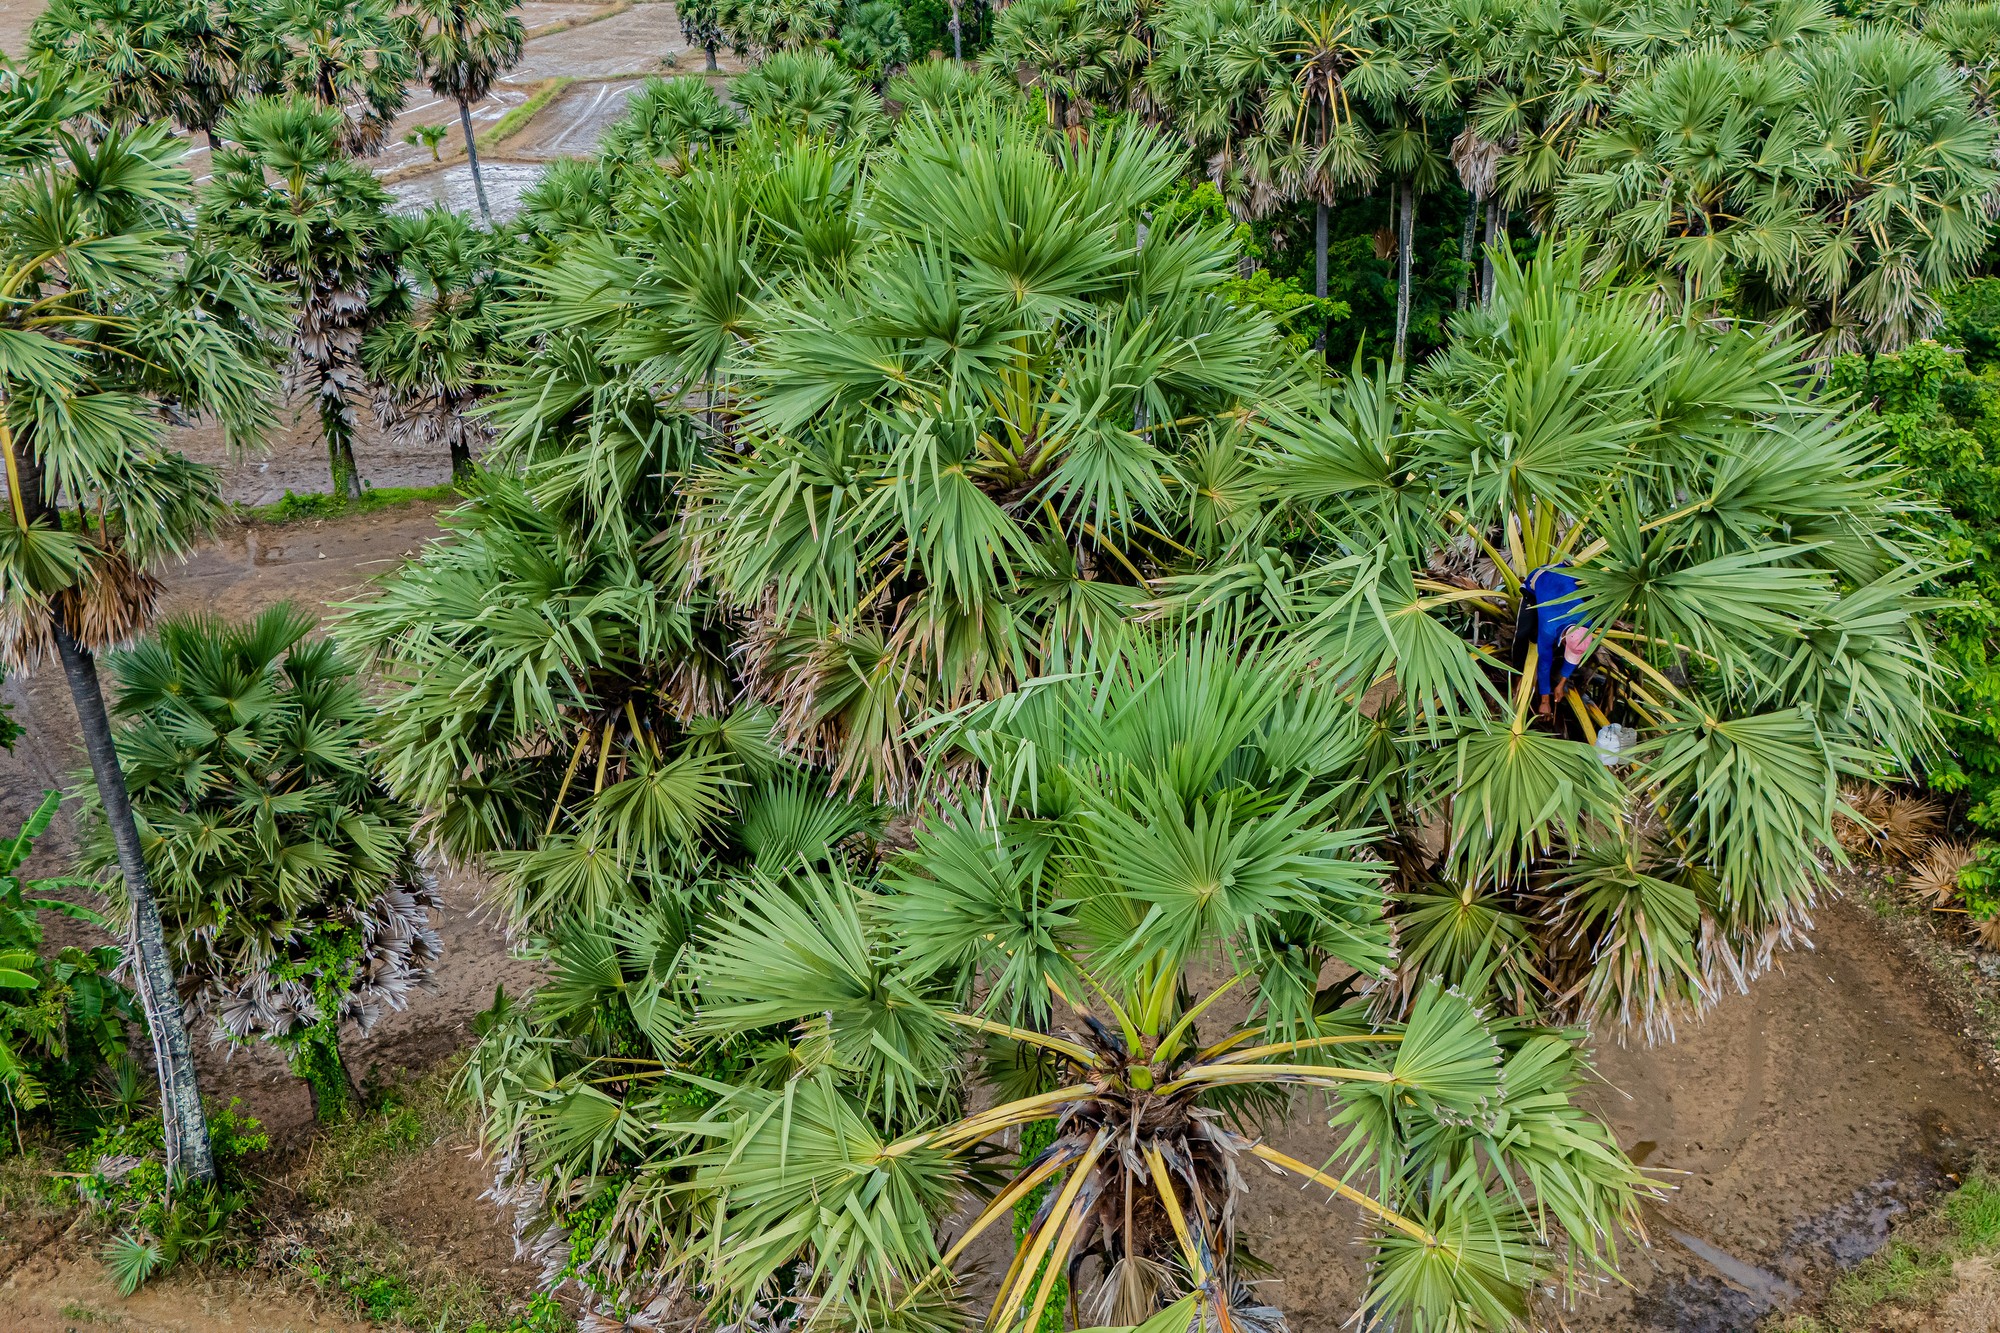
(183, 1124)
(957, 45)
(181, 1117)
(1496, 224)
(1468, 243)
(339, 431)
(472, 159)
(461, 457)
(1319, 250)
(1406, 231)
(712, 66)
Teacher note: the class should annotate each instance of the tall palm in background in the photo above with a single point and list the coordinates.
(436, 328)
(154, 60)
(113, 314)
(310, 219)
(351, 57)
(461, 47)
(1844, 180)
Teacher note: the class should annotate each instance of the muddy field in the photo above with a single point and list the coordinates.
(1794, 1123)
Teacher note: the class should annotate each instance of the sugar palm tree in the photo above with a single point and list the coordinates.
(1623, 846)
(462, 46)
(701, 27)
(1844, 179)
(153, 59)
(1285, 100)
(114, 314)
(435, 326)
(807, 92)
(976, 439)
(780, 1123)
(769, 26)
(558, 705)
(352, 57)
(310, 219)
(286, 877)
(1070, 50)
(669, 118)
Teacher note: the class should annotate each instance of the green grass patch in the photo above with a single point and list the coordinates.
(517, 120)
(295, 507)
(363, 1265)
(1916, 1268)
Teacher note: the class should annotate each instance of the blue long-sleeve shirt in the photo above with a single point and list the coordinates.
(1557, 607)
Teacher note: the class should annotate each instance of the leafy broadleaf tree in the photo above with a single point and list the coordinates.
(462, 46)
(286, 876)
(310, 219)
(62, 1014)
(113, 312)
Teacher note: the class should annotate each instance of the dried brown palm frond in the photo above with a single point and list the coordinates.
(112, 603)
(1856, 832)
(1934, 878)
(1909, 827)
(1988, 932)
(1477, 159)
(1891, 825)
(25, 634)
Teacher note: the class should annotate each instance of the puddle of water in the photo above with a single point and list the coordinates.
(451, 186)
(1727, 1294)
(1766, 1290)
(1700, 1304)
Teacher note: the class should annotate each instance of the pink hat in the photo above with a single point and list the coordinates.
(1577, 643)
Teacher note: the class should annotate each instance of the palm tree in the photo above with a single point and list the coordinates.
(462, 46)
(1410, 158)
(310, 219)
(807, 92)
(769, 26)
(115, 314)
(1843, 179)
(780, 1121)
(154, 59)
(1070, 50)
(701, 26)
(973, 441)
(435, 328)
(286, 876)
(559, 706)
(669, 118)
(1622, 845)
(1283, 100)
(352, 57)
